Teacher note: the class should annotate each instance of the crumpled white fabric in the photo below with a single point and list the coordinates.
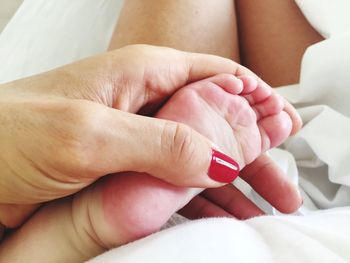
(322, 148)
(267, 239)
(45, 34)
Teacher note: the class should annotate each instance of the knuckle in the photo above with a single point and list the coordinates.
(80, 138)
(138, 50)
(180, 143)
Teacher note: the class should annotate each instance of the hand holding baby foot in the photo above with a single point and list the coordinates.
(124, 207)
(105, 214)
(65, 136)
(270, 127)
(243, 130)
(71, 98)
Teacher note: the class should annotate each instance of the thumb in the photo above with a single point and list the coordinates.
(168, 150)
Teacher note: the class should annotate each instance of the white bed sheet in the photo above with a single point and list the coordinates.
(45, 34)
(7, 9)
(319, 238)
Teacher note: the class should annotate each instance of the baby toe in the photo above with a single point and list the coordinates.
(261, 93)
(249, 84)
(274, 104)
(274, 130)
(228, 82)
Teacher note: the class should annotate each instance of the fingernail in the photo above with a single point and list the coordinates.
(222, 168)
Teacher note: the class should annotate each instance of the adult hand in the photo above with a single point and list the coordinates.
(61, 131)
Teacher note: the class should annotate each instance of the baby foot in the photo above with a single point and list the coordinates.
(135, 205)
(242, 126)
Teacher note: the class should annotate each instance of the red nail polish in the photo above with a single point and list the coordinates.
(222, 168)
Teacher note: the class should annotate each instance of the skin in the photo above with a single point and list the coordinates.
(208, 204)
(125, 207)
(230, 31)
(234, 29)
(82, 114)
(168, 23)
(273, 50)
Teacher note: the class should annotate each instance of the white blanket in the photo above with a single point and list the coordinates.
(47, 33)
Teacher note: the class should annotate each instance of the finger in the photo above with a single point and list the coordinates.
(168, 150)
(233, 201)
(200, 207)
(268, 180)
(201, 66)
(227, 82)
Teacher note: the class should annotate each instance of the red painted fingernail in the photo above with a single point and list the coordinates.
(222, 168)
